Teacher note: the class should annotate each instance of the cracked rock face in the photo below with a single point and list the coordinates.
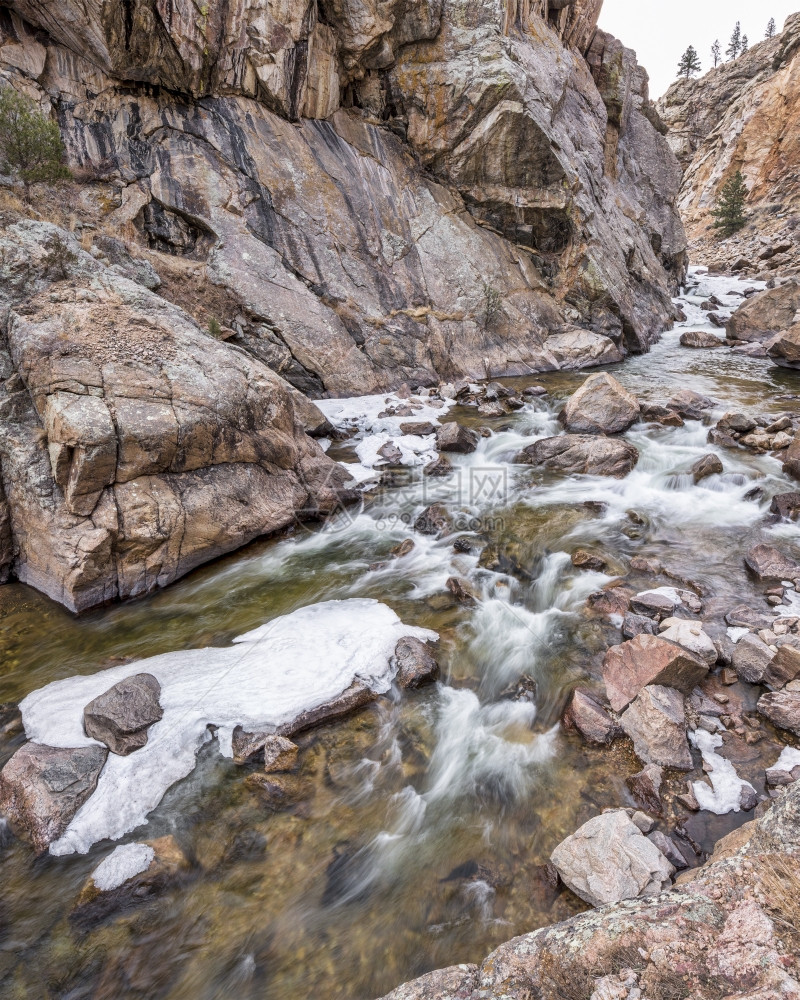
(135, 446)
(362, 190)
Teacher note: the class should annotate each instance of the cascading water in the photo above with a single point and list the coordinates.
(415, 835)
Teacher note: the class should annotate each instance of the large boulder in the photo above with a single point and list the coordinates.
(609, 859)
(647, 660)
(691, 636)
(122, 716)
(783, 668)
(765, 314)
(42, 788)
(141, 446)
(700, 339)
(600, 406)
(785, 348)
(582, 453)
(656, 723)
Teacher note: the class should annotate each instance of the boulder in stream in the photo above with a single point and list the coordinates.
(122, 716)
(690, 404)
(645, 787)
(783, 668)
(769, 563)
(691, 636)
(416, 665)
(785, 506)
(434, 520)
(587, 716)
(454, 437)
(791, 458)
(765, 314)
(582, 453)
(785, 348)
(609, 859)
(699, 339)
(751, 658)
(647, 660)
(656, 723)
(42, 788)
(601, 406)
(708, 465)
(782, 708)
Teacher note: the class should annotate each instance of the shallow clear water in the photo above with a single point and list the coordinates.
(418, 828)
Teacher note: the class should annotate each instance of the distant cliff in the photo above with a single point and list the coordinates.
(744, 114)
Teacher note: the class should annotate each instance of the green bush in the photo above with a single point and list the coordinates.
(30, 143)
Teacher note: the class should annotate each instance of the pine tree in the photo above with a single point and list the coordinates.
(735, 44)
(745, 44)
(690, 63)
(771, 28)
(716, 53)
(729, 210)
(30, 144)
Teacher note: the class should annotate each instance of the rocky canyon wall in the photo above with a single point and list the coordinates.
(377, 191)
(358, 174)
(745, 114)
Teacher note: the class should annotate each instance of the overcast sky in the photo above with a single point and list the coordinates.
(661, 30)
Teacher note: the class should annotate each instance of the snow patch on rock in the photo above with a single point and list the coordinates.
(123, 863)
(725, 793)
(265, 679)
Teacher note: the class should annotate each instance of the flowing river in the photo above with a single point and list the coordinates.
(416, 832)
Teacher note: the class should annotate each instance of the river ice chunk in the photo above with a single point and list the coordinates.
(265, 679)
(123, 863)
(725, 795)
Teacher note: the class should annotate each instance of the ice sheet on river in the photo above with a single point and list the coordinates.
(266, 678)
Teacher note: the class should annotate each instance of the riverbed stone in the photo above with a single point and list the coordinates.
(416, 664)
(655, 721)
(42, 788)
(647, 660)
(586, 714)
(601, 406)
(645, 787)
(768, 563)
(583, 454)
(708, 465)
(434, 520)
(122, 716)
(633, 625)
(609, 859)
(691, 636)
(786, 506)
(782, 708)
(690, 404)
(791, 458)
(783, 668)
(453, 437)
(700, 338)
(280, 754)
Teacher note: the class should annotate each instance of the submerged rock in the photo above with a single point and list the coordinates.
(600, 406)
(647, 660)
(122, 716)
(42, 788)
(609, 859)
(131, 874)
(582, 453)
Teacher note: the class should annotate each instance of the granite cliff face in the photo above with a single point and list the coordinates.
(358, 174)
(743, 115)
(376, 191)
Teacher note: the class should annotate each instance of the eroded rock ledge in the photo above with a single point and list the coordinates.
(728, 929)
